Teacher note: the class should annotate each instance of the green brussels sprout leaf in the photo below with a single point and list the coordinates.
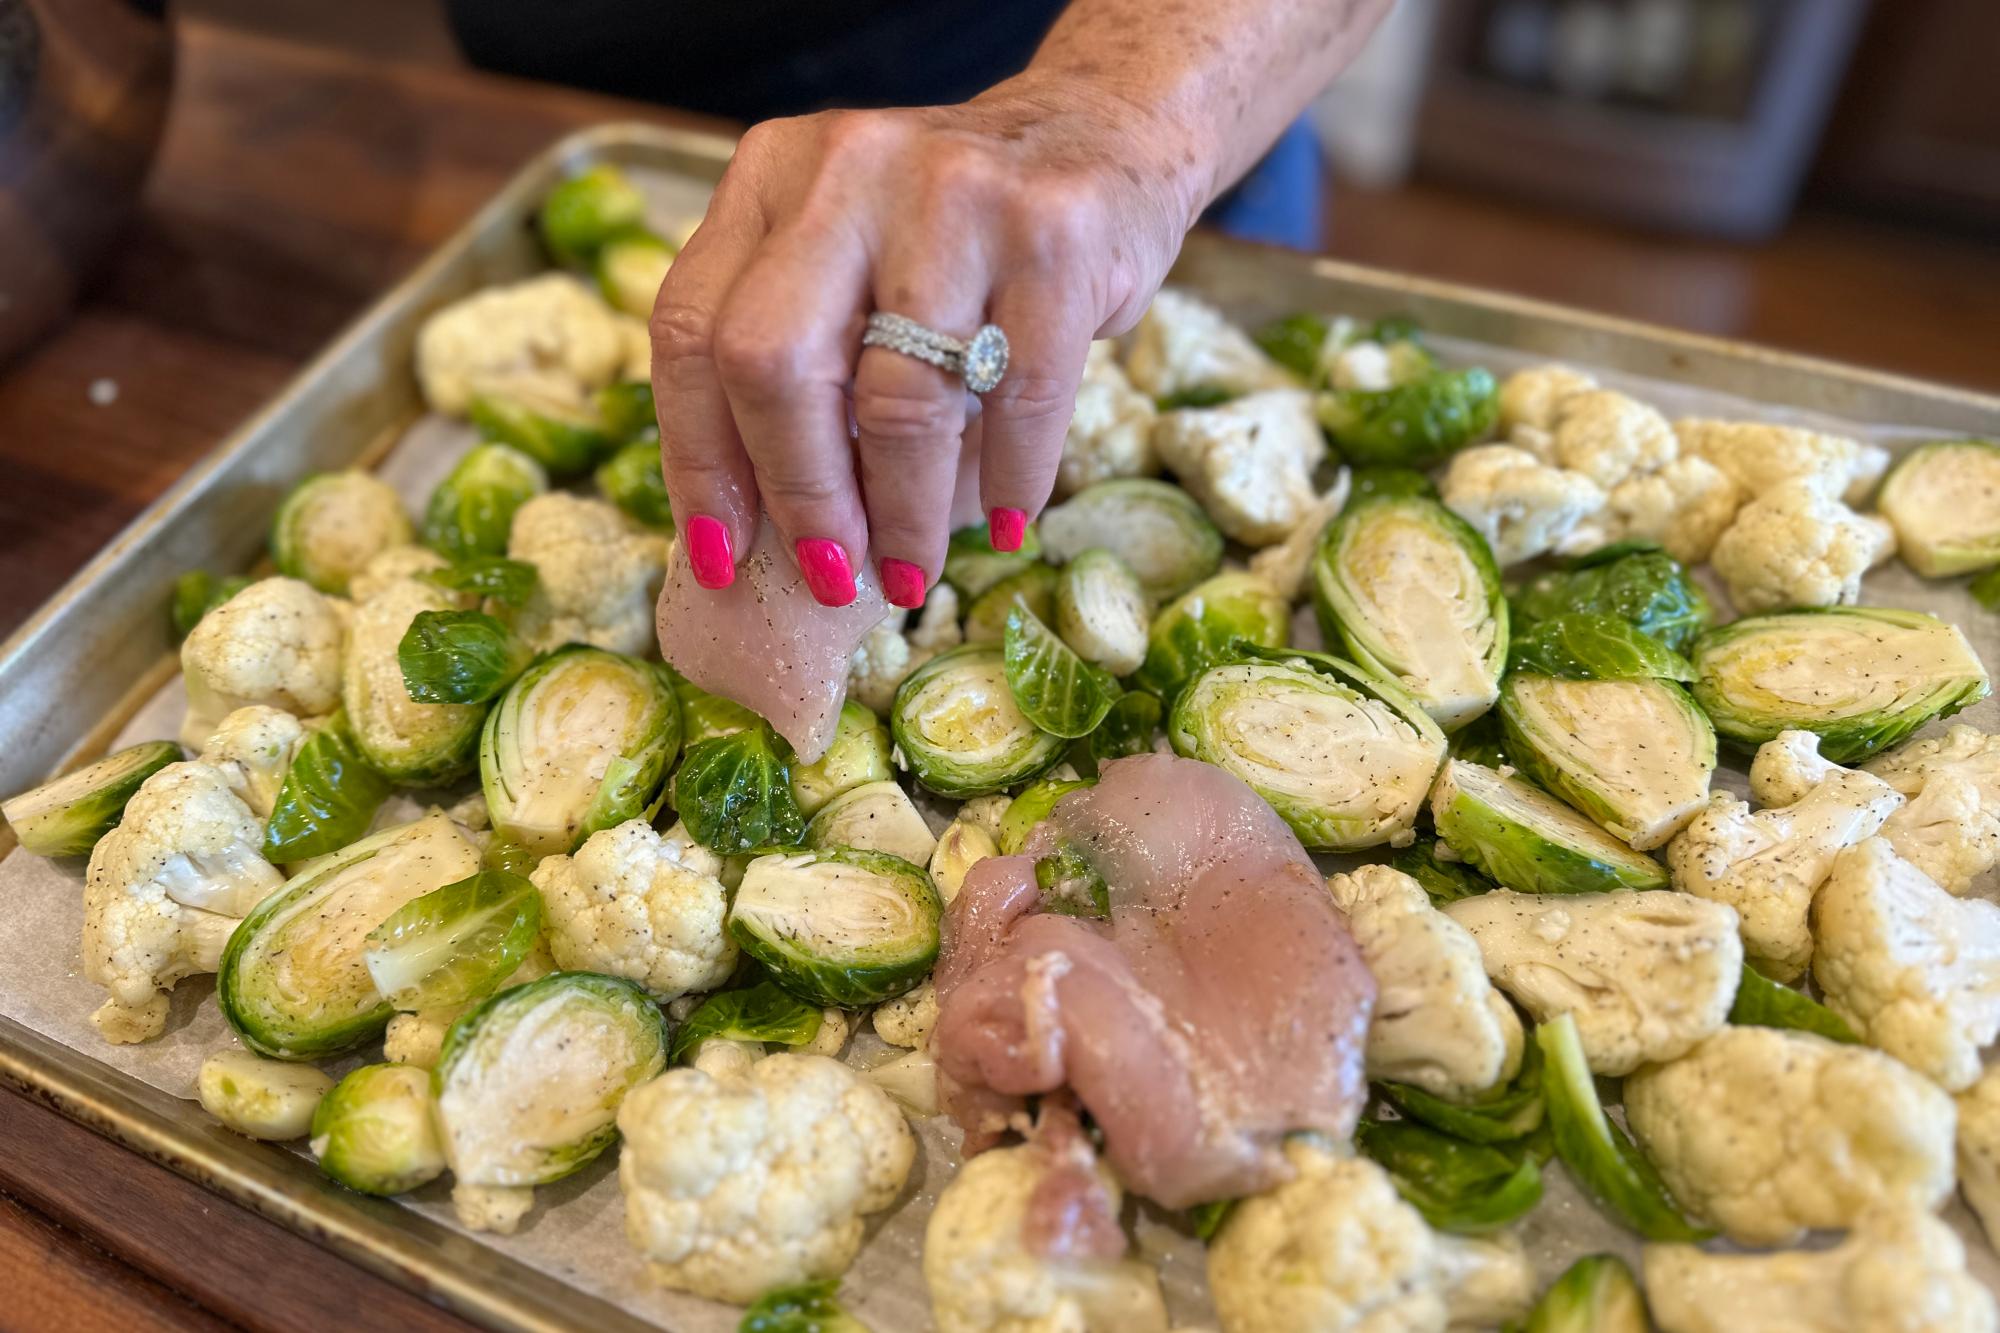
(1128, 728)
(1207, 1218)
(986, 618)
(1590, 645)
(809, 1307)
(459, 657)
(763, 1012)
(66, 816)
(198, 592)
(328, 799)
(1596, 1294)
(705, 716)
(456, 944)
(1763, 1003)
(508, 582)
(1071, 885)
(1636, 582)
(1415, 424)
(1446, 879)
(735, 792)
(1295, 342)
(1055, 689)
(1459, 1187)
(1195, 396)
(1502, 1115)
(1029, 809)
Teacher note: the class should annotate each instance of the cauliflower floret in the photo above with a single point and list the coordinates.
(393, 566)
(760, 1179)
(1950, 828)
(1250, 461)
(252, 749)
(1685, 507)
(880, 662)
(1487, 1280)
(495, 1208)
(725, 1057)
(1979, 1149)
(1769, 865)
(985, 812)
(1530, 397)
(1333, 1250)
(1899, 1271)
(1785, 770)
(983, 1275)
(277, 642)
(1769, 1133)
(937, 628)
(1913, 969)
(1285, 565)
(638, 348)
(599, 574)
(1795, 545)
(908, 1019)
(1182, 342)
(1523, 507)
(633, 904)
(1759, 457)
(1438, 1022)
(548, 337)
(1111, 433)
(1609, 437)
(835, 1026)
(1646, 974)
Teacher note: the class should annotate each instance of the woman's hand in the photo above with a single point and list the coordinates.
(1045, 206)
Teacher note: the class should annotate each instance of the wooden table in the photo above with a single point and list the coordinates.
(293, 185)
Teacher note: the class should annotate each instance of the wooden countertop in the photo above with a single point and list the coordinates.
(295, 183)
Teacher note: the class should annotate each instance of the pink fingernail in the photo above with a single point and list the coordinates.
(903, 584)
(827, 572)
(1005, 528)
(709, 553)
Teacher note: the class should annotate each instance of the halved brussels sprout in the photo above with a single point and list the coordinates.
(1465, 1188)
(265, 1099)
(1944, 501)
(1417, 423)
(1294, 342)
(858, 754)
(1157, 529)
(1413, 592)
(763, 1012)
(1634, 755)
(1129, 728)
(579, 743)
(874, 817)
(493, 578)
(1030, 808)
(971, 565)
(402, 738)
(1204, 625)
(734, 792)
(1444, 877)
(198, 592)
(564, 438)
(1101, 611)
(632, 480)
(629, 268)
(1071, 884)
(1596, 1294)
(1861, 677)
(376, 1132)
(705, 716)
(472, 510)
(529, 1083)
(456, 944)
(332, 524)
(1344, 757)
(460, 657)
(1635, 581)
(587, 210)
(67, 816)
(329, 797)
(1530, 841)
(960, 731)
(1056, 690)
(840, 928)
(627, 411)
(293, 981)
(1035, 586)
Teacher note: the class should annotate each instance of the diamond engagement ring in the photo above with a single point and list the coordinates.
(980, 361)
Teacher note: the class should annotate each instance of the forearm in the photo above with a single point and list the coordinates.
(1219, 80)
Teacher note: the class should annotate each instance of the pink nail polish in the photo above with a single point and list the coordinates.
(828, 574)
(903, 584)
(709, 553)
(1005, 528)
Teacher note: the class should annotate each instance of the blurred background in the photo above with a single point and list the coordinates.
(1822, 175)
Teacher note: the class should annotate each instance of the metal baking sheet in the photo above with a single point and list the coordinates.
(101, 648)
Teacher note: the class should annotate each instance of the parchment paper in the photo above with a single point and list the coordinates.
(576, 1232)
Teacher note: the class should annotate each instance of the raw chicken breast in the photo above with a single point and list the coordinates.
(1221, 1005)
(764, 642)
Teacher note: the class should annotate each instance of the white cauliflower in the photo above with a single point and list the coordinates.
(1914, 970)
(1333, 1250)
(963, 845)
(1769, 865)
(937, 628)
(760, 1179)
(393, 566)
(984, 1277)
(1979, 1149)
(599, 574)
(1286, 564)
(1522, 506)
(908, 1019)
(1786, 769)
(1438, 1023)
(835, 1027)
(1111, 432)
(1530, 397)
(1950, 828)
(1249, 461)
(252, 749)
(1899, 1270)
(1487, 1281)
(1759, 456)
(165, 889)
(1182, 342)
(1609, 437)
(1647, 974)
(1685, 507)
(1769, 1133)
(632, 904)
(985, 812)
(549, 337)
(333, 524)
(277, 642)
(1796, 545)
(880, 662)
